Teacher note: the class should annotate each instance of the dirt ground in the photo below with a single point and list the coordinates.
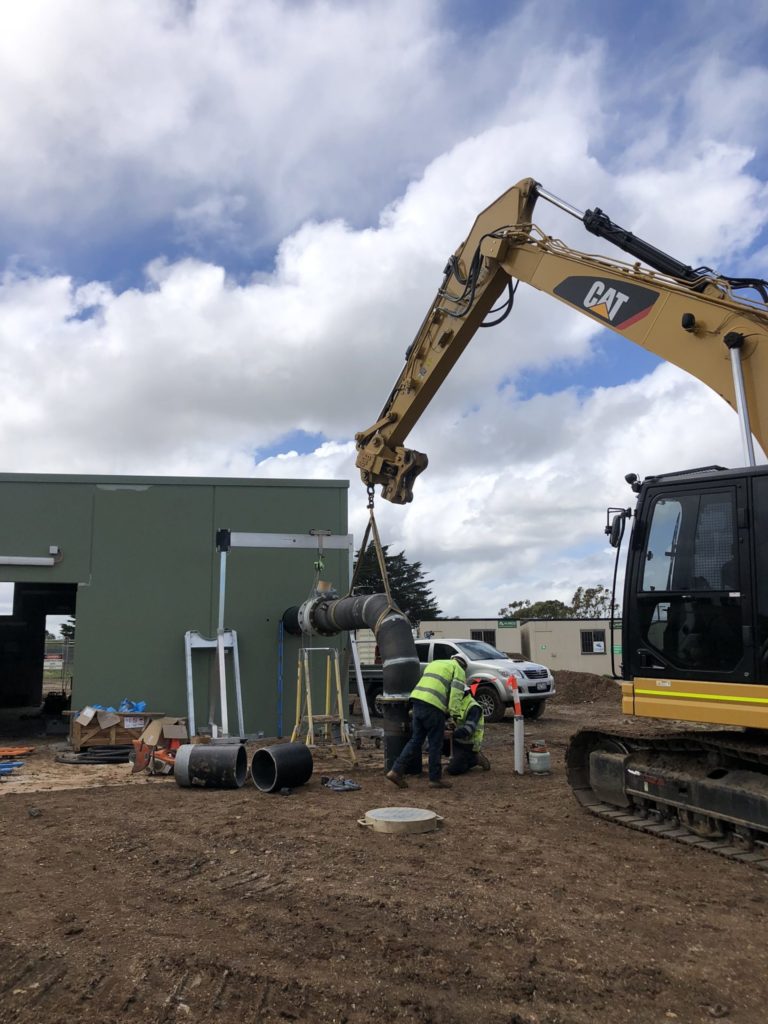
(138, 900)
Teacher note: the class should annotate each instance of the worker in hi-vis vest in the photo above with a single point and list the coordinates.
(437, 695)
(467, 749)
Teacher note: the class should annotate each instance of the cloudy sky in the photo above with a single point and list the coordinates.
(222, 221)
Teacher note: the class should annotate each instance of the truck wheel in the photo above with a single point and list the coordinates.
(374, 702)
(491, 703)
(533, 709)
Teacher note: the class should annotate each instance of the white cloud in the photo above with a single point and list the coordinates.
(505, 519)
(264, 114)
(224, 114)
(513, 502)
(667, 203)
(237, 121)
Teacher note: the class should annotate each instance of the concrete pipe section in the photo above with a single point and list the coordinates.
(281, 766)
(223, 766)
(328, 616)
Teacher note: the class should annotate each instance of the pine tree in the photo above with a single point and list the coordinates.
(67, 630)
(410, 590)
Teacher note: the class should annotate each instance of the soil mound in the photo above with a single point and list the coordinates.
(584, 687)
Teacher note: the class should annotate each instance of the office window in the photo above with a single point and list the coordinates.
(487, 635)
(593, 641)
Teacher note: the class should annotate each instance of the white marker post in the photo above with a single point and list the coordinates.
(519, 733)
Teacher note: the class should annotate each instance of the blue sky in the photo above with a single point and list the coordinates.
(221, 224)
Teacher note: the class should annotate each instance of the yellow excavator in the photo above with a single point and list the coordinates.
(695, 603)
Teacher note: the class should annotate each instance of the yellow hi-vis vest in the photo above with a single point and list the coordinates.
(442, 685)
(477, 728)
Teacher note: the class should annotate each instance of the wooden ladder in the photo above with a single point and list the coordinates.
(318, 729)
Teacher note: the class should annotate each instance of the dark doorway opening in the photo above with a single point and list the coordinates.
(22, 640)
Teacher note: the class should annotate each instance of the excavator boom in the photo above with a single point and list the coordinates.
(692, 318)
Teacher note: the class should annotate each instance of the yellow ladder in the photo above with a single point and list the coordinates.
(334, 717)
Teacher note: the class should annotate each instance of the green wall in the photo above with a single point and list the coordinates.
(142, 553)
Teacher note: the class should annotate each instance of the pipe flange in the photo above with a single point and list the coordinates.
(304, 616)
(321, 605)
(181, 764)
(308, 617)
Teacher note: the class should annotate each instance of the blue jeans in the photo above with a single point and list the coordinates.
(462, 760)
(428, 724)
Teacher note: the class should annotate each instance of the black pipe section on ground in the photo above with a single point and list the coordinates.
(400, 662)
(281, 766)
(215, 766)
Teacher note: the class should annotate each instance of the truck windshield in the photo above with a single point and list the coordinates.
(477, 650)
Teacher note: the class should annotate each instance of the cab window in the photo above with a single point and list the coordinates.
(692, 544)
(689, 603)
(422, 650)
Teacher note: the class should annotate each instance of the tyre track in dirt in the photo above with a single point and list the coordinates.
(165, 904)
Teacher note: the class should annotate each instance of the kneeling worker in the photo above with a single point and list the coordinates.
(468, 737)
(437, 694)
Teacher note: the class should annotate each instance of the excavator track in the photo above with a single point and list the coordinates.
(693, 787)
(670, 831)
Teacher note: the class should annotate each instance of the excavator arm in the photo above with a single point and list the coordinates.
(692, 318)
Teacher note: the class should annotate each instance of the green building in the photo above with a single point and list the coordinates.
(134, 561)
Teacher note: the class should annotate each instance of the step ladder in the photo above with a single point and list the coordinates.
(321, 729)
(225, 640)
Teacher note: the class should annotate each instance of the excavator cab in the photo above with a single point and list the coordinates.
(695, 613)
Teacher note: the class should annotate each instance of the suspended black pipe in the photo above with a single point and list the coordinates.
(400, 663)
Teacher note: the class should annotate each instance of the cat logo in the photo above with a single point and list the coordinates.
(618, 304)
(604, 301)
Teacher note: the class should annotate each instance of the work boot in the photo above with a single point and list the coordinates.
(483, 761)
(440, 784)
(397, 778)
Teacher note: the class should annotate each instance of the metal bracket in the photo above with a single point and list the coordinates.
(225, 639)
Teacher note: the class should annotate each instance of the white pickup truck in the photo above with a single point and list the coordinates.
(491, 670)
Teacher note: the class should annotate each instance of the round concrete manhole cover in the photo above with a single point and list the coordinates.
(401, 819)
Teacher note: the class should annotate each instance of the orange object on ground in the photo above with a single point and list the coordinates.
(147, 755)
(166, 756)
(142, 758)
(16, 751)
